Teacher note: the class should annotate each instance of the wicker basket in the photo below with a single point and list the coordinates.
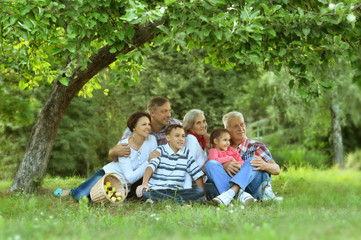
(97, 193)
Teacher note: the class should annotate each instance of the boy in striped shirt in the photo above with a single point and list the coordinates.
(164, 177)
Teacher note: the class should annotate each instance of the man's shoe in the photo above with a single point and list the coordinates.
(223, 199)
(246, 198)
(268, 195)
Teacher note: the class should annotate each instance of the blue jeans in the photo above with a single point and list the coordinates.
(181, 195)
(84, 189)
(249, 180)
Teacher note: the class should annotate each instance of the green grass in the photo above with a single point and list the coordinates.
(318, 205)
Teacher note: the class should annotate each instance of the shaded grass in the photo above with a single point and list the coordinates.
(318, 205)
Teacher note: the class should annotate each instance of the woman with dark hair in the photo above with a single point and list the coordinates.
(132, 168)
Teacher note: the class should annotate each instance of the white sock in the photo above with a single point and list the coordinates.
(231, 193)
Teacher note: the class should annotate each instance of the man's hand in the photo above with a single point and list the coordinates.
(140, 188)
(232, 167)
(121, 150)
(259, 164)
(154, 154)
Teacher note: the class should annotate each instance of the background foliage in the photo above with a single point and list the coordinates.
(297, 131)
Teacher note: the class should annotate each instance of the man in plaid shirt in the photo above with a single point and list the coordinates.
(251, 180)
(160, 113)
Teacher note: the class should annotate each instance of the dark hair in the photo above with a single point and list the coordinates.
(157, 102)
(134, 118)
(171, 127)
(217, 133)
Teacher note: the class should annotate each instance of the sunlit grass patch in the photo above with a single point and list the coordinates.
(317, 205)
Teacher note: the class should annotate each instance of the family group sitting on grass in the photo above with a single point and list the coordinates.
(160, 158)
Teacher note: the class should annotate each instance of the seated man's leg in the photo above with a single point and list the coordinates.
(217, 175)
(249, 180)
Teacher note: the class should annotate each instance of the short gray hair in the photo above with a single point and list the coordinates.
(190, 118)
(229, 115)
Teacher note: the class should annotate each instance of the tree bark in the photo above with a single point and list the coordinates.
(37, 154)
(336, 131)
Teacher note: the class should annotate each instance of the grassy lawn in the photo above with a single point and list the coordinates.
(319, 204)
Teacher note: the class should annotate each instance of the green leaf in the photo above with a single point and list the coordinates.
(300, 11)
(56, 50)
(256, 37)
(272, 32)
(64, 81)
(71, 47)
(26, 27)
(129, 16)
(306, 31)
(113, 50)
(168, 2)
(238, 55)
(122, 57)
(163, 28)
(282, 52)
(129, 31)
(218, 34)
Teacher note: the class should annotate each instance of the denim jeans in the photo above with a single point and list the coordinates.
(181, 195)
(84, 189)
(249, 180)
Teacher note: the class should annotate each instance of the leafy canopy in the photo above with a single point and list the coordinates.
(43, 40)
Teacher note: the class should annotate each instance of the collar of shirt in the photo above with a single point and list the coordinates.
(243, 145)
(171, 152)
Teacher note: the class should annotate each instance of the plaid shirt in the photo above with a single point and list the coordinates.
(248, 148)
(159, 136)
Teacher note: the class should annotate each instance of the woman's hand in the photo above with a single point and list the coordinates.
(154, 154)
(140, 188)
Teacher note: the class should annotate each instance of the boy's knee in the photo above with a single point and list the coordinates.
(199, 191)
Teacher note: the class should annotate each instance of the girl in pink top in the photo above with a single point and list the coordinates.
(221, 151)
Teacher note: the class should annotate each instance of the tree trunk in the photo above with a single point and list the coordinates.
(336, 131)
(37, 154)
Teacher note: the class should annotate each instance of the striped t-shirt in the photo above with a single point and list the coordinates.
(170, 168)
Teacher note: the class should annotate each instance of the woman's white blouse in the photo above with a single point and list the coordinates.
(133, 167)
(199, 155)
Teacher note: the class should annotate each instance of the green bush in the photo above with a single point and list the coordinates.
(353, 160)
(296, 156)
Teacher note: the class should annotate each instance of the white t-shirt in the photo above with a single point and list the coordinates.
(198, 154)
(133, 167)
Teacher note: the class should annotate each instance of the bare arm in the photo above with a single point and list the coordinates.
(200, 183)
(148, 173)
(154, 154)
(120, 150)
(271, 166)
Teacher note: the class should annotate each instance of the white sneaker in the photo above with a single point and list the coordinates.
(268, 195)
(246, 198)
(223, 199)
